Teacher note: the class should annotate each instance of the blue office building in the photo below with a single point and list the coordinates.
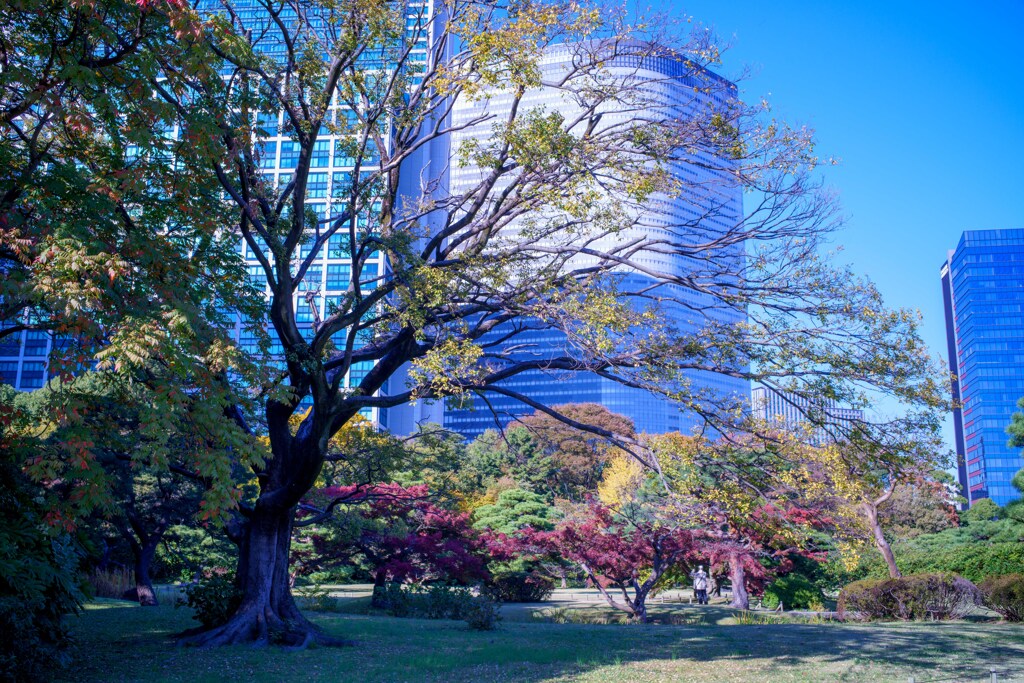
(983, 292)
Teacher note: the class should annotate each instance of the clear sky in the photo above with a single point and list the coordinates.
(922, 102)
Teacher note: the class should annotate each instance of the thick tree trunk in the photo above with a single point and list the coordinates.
(267, 613)
(378, 599)
(144, 592)
(143, 544)
(871, 513)
(740, 599)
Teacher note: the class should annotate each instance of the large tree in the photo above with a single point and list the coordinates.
(529, 243)
(865, 474)
(513, 510)
(112, 246)
(921, 506)
(546, 455)
(144, 476)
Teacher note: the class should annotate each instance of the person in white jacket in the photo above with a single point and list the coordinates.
(700, 585)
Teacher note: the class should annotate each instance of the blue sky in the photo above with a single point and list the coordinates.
(923, 103)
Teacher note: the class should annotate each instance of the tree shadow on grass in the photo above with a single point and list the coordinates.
(122, 644)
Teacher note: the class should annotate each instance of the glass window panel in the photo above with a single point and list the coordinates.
(321, 157)
(33, 375)
(289, 154)
(8, 372)
(316, 185)
(311, 280)
(338, 276)
(267, 152)
(35, 343)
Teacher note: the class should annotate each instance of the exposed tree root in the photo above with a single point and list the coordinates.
(261, 628)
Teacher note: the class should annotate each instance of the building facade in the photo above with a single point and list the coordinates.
(983, 291)
(792, 413)
(709, 205)
(23, 359)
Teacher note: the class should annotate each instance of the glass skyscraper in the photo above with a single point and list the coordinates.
(708, 205)
(983, 293)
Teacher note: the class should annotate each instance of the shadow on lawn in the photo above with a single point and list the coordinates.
(930, 651)
(122, 643)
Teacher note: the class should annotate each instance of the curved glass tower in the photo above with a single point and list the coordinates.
(707, 206)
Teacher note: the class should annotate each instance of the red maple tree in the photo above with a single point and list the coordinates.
(399, 533)
(618, 552)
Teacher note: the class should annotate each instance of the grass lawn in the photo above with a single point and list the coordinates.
(118, 641)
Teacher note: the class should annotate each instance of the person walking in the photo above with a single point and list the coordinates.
(700, 585)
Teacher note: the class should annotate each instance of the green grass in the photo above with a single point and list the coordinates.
(118, 641)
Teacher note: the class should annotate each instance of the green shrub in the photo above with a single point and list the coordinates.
(794, 591)
(213, 599)
(1014, 510)
(982, 511)
(332, 575)
(316, 598)
(440, 602)
(432, 602)
(861, 600)
(976, 562)
(1005, 594)
(975, 552)
(910, 598)
(520, 587)
(443, 602)
(483, 614)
